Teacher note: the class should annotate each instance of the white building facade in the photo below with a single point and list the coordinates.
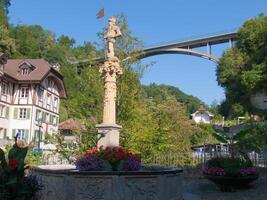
(202, 116)
(30, 93)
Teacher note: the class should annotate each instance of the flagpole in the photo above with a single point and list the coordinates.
(104, 18)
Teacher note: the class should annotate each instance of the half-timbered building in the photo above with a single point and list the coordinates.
(30, 93)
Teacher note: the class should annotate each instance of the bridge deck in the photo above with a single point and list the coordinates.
(198, 42)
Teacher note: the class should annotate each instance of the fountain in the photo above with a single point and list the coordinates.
(67, 183)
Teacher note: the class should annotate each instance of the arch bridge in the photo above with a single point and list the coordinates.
(184, 47)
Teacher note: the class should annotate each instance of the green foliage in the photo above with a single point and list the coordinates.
(7, 44)
(82, 140)
(4, 4)
(242, 69)
(240, 143)
(231, 166)
(203, 135)
(160, 92)
(13, 182)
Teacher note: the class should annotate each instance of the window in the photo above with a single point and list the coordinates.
(21, 134)
(24, 92)
(3, 133)
(25, 71)
(4, 89)
(22, 113)
(48, 100)
(55, 102)
(2, 110)
(40, 94)
(38, 115)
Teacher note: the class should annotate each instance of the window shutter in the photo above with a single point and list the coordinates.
(56, 121)
(51, 119)
(36, 114)
(15, 116)
(5, 133)
(28, 113)
(14, 132)
(7, 112)
(42, 136)
(26, 134)
(43, 117)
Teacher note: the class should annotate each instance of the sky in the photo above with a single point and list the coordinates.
(154, 22)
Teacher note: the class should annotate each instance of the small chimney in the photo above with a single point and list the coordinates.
(57, 66)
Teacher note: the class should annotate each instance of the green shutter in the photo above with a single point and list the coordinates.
(7, 112)
(43, 117)
(36, 115)
(14, 132)
(56, 121)
(15, 114)
(28, 113)
(51, 119)
(5, 133)
(26, 135)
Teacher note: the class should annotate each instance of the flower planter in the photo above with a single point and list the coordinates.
(67, 183)
(228, 184)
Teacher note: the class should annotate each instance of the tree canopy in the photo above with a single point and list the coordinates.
(242, 69)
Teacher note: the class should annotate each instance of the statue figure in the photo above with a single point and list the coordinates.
(113, 32)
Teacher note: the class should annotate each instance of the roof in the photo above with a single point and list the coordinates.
(202, 111)
(40, 70)
(70, 124)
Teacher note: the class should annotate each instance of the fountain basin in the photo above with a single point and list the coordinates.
(67, 183)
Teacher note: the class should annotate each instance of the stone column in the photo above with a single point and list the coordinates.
(110, 70)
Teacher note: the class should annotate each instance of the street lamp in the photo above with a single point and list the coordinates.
(39, 124)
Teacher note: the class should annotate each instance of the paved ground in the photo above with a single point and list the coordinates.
(198, 188)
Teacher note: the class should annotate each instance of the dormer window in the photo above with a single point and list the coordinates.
(25, 68)
(24, 71)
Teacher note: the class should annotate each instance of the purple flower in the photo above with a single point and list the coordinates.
(130, 164)
(89, 163)
(215, 171)
(248, 171)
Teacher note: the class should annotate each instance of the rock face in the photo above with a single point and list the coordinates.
(66, 183)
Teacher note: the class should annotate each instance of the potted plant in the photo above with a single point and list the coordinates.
(14, 184)
(236, 169)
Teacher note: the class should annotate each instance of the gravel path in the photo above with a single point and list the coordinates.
(195, 184)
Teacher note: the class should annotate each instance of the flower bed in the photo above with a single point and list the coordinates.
(230, 173)
(108, 159)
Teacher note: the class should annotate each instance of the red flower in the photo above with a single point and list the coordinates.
(13, 163)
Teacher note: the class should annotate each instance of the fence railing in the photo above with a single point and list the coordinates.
(172, 159)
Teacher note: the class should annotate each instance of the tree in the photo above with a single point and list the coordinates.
(4, 4)
(242, 69)
(7, 44)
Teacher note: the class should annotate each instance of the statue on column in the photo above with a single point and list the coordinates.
(112, 33)
(110, 70)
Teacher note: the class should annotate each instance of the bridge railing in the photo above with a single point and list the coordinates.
(187, 39)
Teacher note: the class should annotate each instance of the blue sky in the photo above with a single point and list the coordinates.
(154, 22)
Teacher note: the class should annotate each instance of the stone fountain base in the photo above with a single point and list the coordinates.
(67, 183)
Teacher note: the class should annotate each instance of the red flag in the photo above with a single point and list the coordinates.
(100, 14)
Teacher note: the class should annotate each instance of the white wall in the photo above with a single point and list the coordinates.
(202, 117)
